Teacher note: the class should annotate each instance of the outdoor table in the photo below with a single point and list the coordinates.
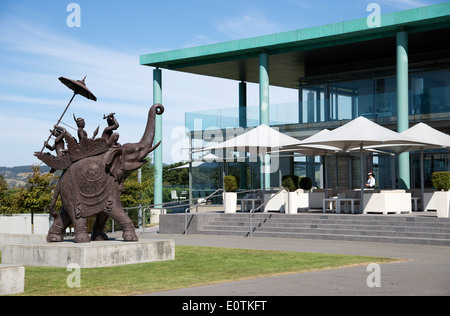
(352, 203)
(331, 201)
(244, 202)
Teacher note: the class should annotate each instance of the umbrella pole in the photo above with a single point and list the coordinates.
(361, 154)
(326, 174)
(422, 180)
(264, 178)
(65, 110)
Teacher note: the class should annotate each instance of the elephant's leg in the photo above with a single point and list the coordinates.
(81, 235)
(120, 216)
(99, 227)
(61, 222)
(79, 222)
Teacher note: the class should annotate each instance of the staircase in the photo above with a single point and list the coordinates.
(406, 229)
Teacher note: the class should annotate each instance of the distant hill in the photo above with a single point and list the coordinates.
(17, 176)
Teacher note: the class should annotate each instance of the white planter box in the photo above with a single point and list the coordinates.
(229, 202)
(429, 201)
(442, 203)
(387, 201)
(291, 203)
(275, 202)
(302, 199)
(315, 199)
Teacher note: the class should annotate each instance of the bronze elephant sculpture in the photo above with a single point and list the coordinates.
(94, 170)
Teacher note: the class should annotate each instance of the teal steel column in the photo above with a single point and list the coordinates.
(264, 89)
(243, 124)
(264, 109)
(243, 104)
(402, 106)
(157, 153)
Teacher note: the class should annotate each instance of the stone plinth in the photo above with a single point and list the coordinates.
(11, 239)
(12, 279)
(95, 254)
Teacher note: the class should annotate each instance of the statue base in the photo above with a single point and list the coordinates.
(11, 239)
(95, 254)
(12, 279)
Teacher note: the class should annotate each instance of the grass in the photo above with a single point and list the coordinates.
(193, 266)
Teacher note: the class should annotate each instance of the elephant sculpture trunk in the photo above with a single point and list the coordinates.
(135, 153)
(146, 141)
(94, 171)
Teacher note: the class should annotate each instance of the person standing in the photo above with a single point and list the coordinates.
(371, 180)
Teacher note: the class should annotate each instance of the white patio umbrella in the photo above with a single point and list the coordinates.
(428, 138)
(313, 150)
(203, 162)
(359, 132)
(259, 140)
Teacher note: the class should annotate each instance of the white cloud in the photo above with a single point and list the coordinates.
(404, 4)
(254, 23)
(198, 40)
(120, 83)
(30, 90)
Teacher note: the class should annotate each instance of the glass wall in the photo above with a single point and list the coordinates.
(374, 98)
(305, 166)
(430, 92)
(348, 100)
(334, 101)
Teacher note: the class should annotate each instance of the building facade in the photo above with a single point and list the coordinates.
(396, 74)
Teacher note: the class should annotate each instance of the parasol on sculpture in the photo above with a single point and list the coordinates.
(78, 87)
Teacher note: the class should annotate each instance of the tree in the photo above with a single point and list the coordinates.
(38, 192)
(3, 186)
(173, 176)
(135, 193)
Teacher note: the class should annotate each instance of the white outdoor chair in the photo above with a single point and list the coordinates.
(173, 195)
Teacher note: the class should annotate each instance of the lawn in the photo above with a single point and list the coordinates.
(193, 266)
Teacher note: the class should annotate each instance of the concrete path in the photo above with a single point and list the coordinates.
(427, 271)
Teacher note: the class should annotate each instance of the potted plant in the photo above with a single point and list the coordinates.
(441, 181)
(290, 205)
(305, 183)
(230, 195)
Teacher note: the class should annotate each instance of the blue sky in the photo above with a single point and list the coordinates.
(37, 47)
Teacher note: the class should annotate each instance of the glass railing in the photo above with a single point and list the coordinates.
(432, 102)
(280, 114)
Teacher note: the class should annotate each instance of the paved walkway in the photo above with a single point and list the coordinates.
(427, 271)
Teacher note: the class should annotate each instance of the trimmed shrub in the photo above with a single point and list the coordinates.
(288, 183)
(305, 183)
(441, 180)
(230, 184)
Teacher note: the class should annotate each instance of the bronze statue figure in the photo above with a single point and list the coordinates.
(59, 134)
(94, 170)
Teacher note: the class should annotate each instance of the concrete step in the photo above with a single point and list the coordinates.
(362, 225)
(377, 228)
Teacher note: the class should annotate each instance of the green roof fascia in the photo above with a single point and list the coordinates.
(418, 19)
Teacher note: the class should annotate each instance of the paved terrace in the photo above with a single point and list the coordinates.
(426, 271)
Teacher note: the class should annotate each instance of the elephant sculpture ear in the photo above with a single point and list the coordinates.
(113, 161)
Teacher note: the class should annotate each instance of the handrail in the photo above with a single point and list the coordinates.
(146, 208)
(199, 201)
(254, 210)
